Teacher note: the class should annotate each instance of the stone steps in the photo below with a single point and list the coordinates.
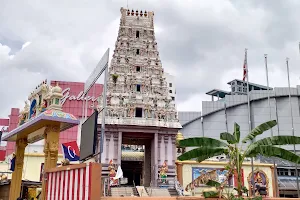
(123, 192)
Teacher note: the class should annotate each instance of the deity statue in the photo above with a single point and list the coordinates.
(24, 114)
(33, 112)
(65, 162)
(163, 172)
(112, 174)
(22, 118)
(260, 183)
(43, 106)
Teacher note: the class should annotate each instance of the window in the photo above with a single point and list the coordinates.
(283, 172)
(138, 112)
(233, 89)
(138, 88)
(173, 98)
(293, 172)
(170, 84)
(137, 51)
(137, 34)
(170, 91)
(138, 68)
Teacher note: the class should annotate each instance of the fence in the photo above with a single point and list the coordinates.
(74, 182)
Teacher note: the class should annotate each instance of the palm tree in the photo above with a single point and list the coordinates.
(209, 147)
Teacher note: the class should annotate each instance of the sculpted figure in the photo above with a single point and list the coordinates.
(163, 172)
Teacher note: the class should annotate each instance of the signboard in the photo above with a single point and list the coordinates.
(101, 66)
(79, 97)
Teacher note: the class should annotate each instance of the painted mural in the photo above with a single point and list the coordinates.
(220, 174)
(260, 182)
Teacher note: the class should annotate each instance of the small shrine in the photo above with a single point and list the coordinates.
(41, 118)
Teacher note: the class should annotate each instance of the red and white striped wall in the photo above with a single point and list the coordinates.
(72, 184)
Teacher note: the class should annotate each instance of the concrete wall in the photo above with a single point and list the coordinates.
(31, 168)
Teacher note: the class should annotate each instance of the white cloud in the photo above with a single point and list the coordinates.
(25, 45)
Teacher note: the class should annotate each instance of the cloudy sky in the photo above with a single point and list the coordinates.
(201, 42)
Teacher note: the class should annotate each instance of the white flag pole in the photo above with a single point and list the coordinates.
(249, 115)
(292, 118)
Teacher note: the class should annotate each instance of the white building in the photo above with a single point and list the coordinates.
(171, 84)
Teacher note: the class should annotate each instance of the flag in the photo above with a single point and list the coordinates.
(119, 173)
(13, 163)
(71, 151)
(245, 67)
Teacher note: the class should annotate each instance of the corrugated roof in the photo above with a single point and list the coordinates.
(279, 162)
(287, 183)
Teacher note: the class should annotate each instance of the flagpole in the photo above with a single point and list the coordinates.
(249, 114)
(270, 114)
(293, 131)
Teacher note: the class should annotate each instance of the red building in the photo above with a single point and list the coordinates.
(72, 103)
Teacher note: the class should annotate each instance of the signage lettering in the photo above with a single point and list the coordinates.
(79, 97)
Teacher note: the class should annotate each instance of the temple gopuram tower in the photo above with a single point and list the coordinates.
(139, 108)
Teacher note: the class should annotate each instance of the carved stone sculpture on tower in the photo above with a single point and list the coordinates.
(136, 76)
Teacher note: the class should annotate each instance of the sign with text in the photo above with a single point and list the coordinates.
(77, 97)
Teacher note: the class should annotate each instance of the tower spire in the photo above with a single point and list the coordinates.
(137, 91)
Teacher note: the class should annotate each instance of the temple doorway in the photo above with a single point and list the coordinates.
(133, 171)
(136, 158)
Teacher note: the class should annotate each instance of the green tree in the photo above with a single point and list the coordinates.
(210, 147)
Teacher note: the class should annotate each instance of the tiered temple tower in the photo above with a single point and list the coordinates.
(139, 108)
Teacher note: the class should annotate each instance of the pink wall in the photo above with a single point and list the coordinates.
(4, 122)
(13, 123)
(73, 104)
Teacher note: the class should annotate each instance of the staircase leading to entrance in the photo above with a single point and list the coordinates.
(158, 192)
(123, 192)
(142, 191)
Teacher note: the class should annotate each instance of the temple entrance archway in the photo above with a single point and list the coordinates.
(136, 159)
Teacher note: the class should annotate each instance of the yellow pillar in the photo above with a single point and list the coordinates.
(51, 152)
(16, 180)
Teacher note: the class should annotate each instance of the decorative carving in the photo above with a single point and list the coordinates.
(112, 174)
(163, 172)
(53, 146)
(261, 181)
(22, 143)
(136, 76)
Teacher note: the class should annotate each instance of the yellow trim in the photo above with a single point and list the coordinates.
(220, 163)
(38, 155)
